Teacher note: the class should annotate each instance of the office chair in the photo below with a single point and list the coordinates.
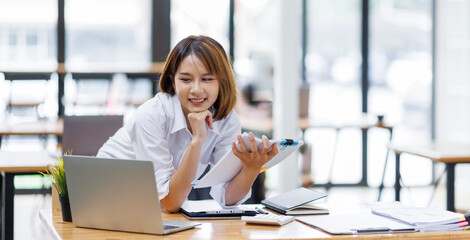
(84, 135)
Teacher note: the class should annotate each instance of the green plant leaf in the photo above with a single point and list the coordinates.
(56, 173)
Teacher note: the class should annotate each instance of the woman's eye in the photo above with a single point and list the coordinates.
(185, 79)
(208, 79)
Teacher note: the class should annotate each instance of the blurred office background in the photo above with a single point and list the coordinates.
(416, 54)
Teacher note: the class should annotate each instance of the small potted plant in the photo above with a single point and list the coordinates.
(56, 174)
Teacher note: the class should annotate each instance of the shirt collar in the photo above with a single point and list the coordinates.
(180, 120)
(215, 130)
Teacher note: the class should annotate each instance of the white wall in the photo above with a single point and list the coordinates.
(453, 70)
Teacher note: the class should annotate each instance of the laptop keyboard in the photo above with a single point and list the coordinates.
(168, 227)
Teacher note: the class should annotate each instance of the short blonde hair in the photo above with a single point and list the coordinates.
(216, 61)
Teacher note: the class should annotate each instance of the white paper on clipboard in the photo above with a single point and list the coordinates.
(227, 168)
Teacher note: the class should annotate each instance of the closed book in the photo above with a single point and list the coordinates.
(307, 209)
(296, 202)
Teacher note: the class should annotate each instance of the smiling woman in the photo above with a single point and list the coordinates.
(189, 125)
(208, 59)
(195, 87)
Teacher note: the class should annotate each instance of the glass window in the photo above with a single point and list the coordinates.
(200, 17)
(31, 39)
(255, 31)
(400, 73)
(333, 65)
(400, 65)
(28, 35)
(108, 35)
(333, 59)
(12, 37)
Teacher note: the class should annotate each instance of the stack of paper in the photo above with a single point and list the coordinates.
(424, 219)
(455, 226)
(362, 223)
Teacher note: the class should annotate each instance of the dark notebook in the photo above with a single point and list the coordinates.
(296, 202)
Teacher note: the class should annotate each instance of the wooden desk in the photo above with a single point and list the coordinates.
(11, 164)
(448, 153)
(228, 229)
(40, 128)
(25, 76)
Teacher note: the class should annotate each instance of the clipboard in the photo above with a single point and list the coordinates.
(227, 168)
(210, 209)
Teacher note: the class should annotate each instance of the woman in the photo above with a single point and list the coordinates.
(190, 124)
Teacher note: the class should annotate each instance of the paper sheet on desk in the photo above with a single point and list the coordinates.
(354, 223)
(229, 166)
(417, 216)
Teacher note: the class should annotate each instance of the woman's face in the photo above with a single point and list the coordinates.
(196, 88)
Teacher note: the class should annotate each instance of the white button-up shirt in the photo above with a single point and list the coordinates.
(158, 132)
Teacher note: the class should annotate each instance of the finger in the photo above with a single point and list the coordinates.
(241, 144)
(265, 145)
(254, 148)
(273, 152)
(209, 120)
(235, 151)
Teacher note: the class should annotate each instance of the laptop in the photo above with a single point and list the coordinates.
(115, 194)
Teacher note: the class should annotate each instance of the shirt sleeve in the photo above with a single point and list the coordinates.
(149, 141)
(228, 132)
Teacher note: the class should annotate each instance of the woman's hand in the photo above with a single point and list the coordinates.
(197, 122)
(254, 160)
(252, 163)
(180, 182)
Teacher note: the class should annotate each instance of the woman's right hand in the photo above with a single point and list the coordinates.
(198, 121)
(253, 160)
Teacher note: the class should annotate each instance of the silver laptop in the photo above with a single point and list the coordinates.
(116, 194)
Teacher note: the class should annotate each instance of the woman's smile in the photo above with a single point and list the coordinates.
(196, 88)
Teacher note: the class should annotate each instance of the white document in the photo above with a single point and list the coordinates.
(227, 168)
(364, 223)
(417, 216)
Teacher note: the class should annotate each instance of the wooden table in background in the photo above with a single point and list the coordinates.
(12, 164)
(41, 127)
(448, 153)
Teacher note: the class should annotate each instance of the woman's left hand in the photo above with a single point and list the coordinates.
(254, 160)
